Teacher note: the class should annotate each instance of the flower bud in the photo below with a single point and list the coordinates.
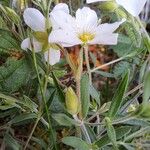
(72, 103)
(143, 111)
(108, 6)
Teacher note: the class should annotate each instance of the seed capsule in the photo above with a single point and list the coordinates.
(72, 103)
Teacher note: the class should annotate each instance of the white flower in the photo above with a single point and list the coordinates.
(134, 7)
(82, 29)
(53, 56)
(37, 22)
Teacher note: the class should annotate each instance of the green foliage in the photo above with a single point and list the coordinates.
(146, 94)
(118, 96)
(95, 94)
(14, 74)
(76, 143)
(124, 46)
(85, 95)
(63, 120)
(8, 43)
(32, 99)
(121, 68)
(5, 2)
(11, 142)
(120, 133)
(133, 33)
(111, 132)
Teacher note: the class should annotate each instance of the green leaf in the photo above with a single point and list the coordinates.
(5, 2)
(138, 122)
(91, 133)
(23, 118)
(143, 70)
(105, 74)
(76, 143)
(60, 73)
(146, 94)
(8, 102)
(121, 68)
(120, 132)
(118, 96)
(7, 42)
(41, 143)
(138, 133)
(93, 58)
(2, 23)
(111, 133)
(127, 146)
(11, 143)
(85, 95)
(124, 46)
(133, 32)
(63, 119)
(51, 98)
(60, 92)
(12, 15)
(95, 94)
(27, 102)
(8, 98)
(9, 112)
(14, 74)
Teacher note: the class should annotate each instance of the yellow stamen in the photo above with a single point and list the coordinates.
(85, 37)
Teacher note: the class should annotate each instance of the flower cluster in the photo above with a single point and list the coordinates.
(82, 29)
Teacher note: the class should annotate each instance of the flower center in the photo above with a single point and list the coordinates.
(85, 37)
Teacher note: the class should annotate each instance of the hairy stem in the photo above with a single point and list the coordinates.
(87, 63)
(107, 64)
(83, 128)
(78, 75)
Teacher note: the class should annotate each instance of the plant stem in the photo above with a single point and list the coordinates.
(107, 64)
(83, 128)
(78, 75)
(33, 129)
(98, 127)
(78, 91)
(47, 74)
(44, 100)
(87, 63)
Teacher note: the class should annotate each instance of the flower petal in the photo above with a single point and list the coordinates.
(26, 44)
(92, 1)
(109, 27)
(134, 7)
(61, 20)
(104, 33)
(86, 18)
(34, 19)
(64, 37)
(52, 55)
(61, 6)
(106, 39)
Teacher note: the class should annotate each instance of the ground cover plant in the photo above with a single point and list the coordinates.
(74, 74)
